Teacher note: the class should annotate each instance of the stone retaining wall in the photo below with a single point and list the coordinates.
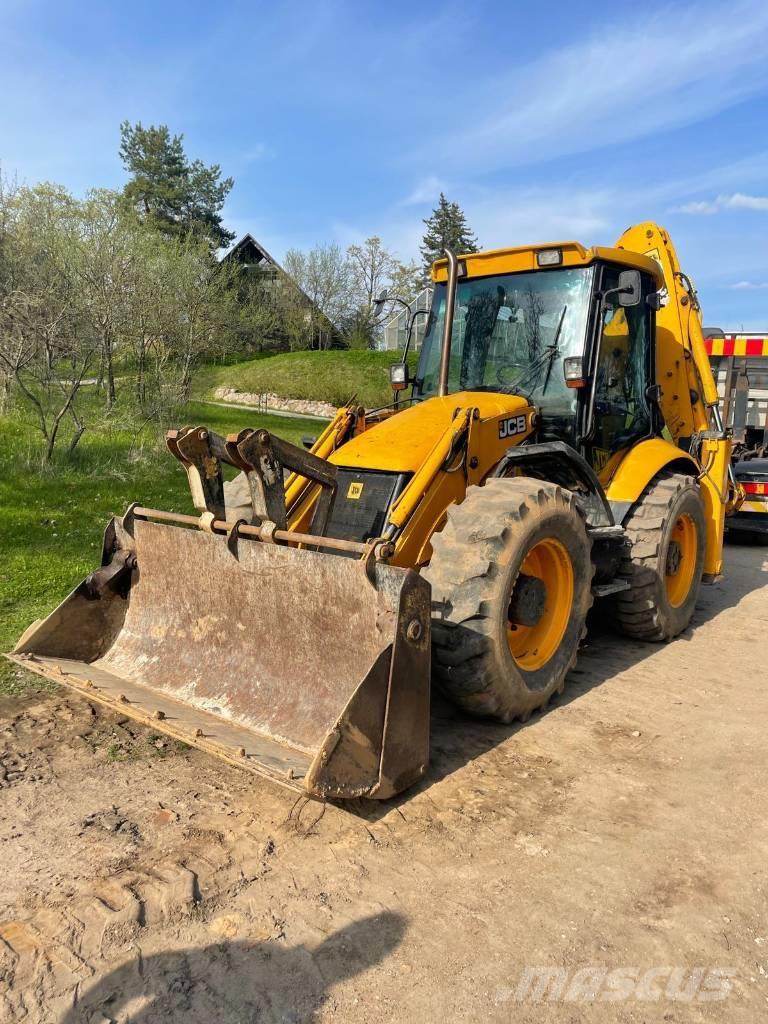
(298, 405)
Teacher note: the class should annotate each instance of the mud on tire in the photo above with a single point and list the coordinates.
(645, 610)
(475, 566)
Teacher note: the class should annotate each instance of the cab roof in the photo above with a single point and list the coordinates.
(523, 258)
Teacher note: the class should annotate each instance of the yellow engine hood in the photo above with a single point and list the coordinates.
(401, 443)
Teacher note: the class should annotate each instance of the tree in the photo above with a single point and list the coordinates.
(406, 280)
(84, 283)
(205, 313)
(371, 268)
(323, 275)
(8, 203)
(178, 197)
(45, 346)
(446, 228)
(97, 256)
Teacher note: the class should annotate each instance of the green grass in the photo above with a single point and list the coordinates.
(52, 520)
(319, 376)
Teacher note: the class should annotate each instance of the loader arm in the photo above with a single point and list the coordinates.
(689, 400)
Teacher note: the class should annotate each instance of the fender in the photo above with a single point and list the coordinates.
(558, 463)
(639, 466)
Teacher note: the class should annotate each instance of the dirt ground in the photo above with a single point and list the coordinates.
(625, 828)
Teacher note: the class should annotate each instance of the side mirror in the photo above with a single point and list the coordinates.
(629, 288)
(399, 377)
(379, 303)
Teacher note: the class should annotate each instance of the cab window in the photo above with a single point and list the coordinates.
(621, 410)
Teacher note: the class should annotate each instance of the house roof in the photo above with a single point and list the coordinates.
(247, 249)
(249, 252)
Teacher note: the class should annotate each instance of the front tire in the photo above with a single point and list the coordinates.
(511, 577)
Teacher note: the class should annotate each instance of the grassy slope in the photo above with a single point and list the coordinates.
(322, 376)
(51, 522)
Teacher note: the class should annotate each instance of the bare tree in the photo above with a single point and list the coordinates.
(97, 255)
(8, 276)
(323, 275)
(205, 309)
(406, 280)
(85, 287)
(372, 267)
(44, 345)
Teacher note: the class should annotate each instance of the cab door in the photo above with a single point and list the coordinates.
(621, 410)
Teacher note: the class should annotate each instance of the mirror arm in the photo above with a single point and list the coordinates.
(415, 313)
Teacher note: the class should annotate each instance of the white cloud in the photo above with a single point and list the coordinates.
(524, 216)
(426, 191)
(736, 201)
(631, 78)
(259, 151)
(743, 286)
(696, 207)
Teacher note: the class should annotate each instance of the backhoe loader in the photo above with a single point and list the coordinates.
(561, 442)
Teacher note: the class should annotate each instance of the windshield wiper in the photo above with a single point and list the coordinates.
(553, 349)
(528, 380)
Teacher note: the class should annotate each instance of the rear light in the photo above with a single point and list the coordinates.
(751, 488)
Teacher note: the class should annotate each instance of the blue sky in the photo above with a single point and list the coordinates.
(341, 120)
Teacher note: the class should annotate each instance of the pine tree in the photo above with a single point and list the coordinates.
(180, 198)
(446, 228)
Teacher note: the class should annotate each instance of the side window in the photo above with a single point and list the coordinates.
(621, 412)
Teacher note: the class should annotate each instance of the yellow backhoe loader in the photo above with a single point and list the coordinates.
(562, 441)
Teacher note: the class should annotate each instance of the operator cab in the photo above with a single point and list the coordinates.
(575, 341)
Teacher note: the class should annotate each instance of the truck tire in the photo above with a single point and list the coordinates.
(664, 559)
(511, 577)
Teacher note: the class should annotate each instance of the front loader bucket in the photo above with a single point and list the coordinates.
(298, 665)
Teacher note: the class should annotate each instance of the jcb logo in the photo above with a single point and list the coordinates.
(512, 425)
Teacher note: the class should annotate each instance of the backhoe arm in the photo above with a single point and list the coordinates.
(689, 399)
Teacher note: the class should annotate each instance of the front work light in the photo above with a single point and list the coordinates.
(573, 371)
(398, 376)
(549, 257)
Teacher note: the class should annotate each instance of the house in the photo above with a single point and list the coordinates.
(261, 267)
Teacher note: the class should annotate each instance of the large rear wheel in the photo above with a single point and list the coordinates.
(664, 559)
(511, 586)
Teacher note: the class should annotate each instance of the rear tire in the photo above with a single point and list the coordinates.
(664, 559)
(512, 535)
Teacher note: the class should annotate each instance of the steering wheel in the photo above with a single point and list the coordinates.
(503, 368)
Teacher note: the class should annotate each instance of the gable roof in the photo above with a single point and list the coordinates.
(250, 253)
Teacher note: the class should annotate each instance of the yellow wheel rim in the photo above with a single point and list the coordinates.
(681, 560)
(533, 646)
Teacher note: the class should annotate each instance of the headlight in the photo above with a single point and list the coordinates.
(398, 376)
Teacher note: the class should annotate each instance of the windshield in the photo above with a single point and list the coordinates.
(511, 333)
